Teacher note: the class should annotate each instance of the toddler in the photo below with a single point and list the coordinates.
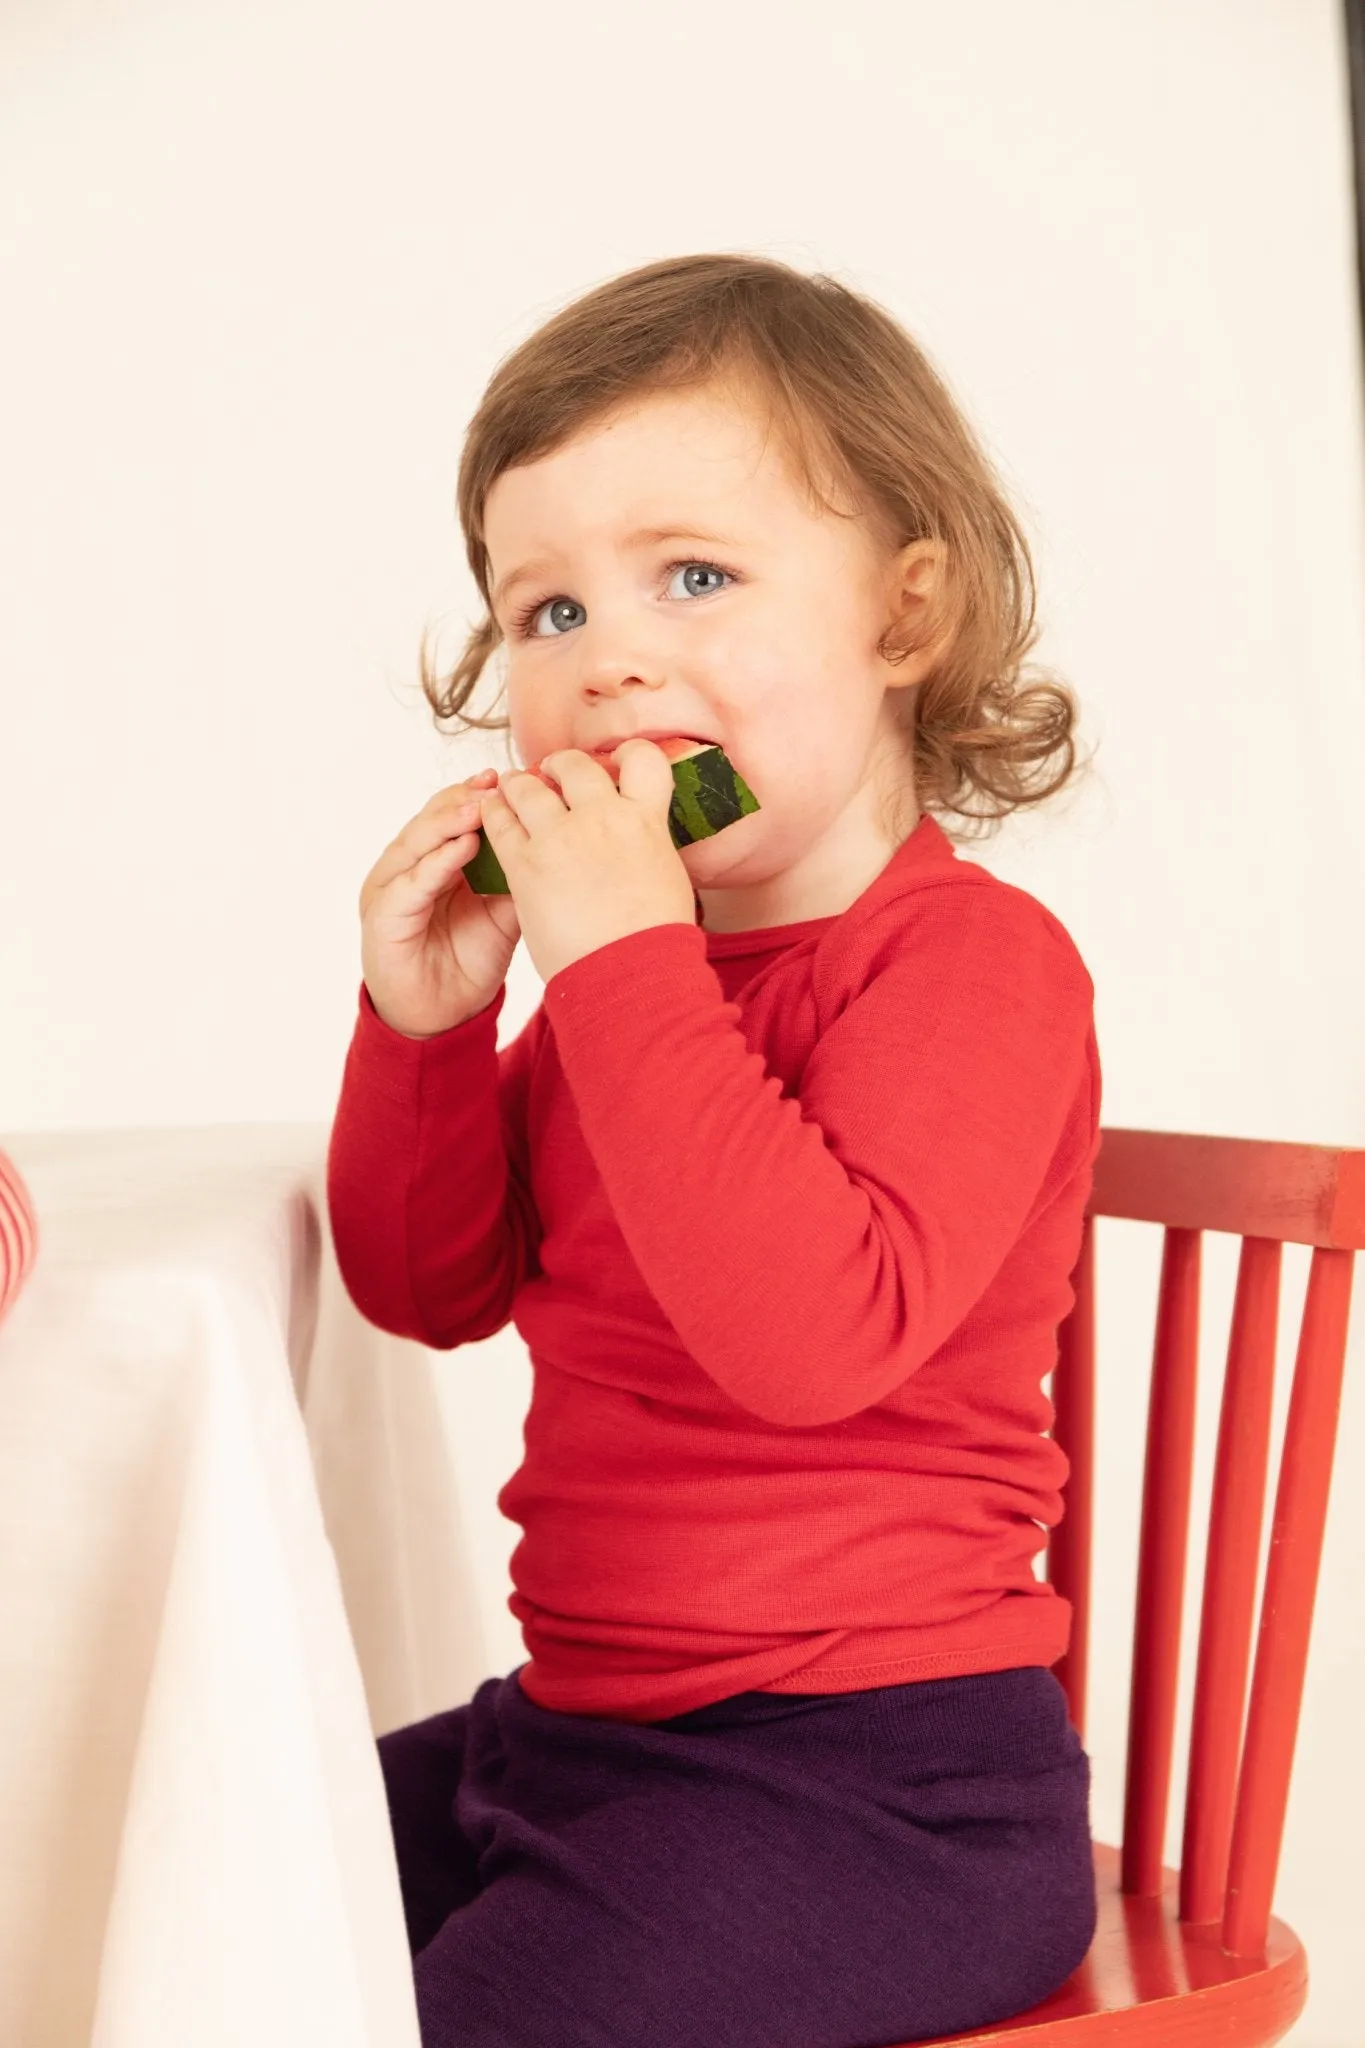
(782, 1185)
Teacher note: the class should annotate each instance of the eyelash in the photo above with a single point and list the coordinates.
(521, 621)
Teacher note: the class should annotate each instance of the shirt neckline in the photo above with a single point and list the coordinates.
(927, 841)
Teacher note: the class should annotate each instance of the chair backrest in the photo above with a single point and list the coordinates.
(1269, 1194)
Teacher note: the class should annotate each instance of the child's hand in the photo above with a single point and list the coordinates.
(433, 951)
(592, 861)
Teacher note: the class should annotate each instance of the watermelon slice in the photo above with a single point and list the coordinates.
(709, 793)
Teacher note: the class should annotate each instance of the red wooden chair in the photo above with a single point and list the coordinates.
(1194, 1956)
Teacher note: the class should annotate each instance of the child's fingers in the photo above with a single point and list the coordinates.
(432, 872)
(409, 873)
(424, 834)
(409, 895)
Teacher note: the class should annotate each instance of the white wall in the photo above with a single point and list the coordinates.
(259, 263)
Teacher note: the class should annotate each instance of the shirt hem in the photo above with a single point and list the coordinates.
(929, 1664)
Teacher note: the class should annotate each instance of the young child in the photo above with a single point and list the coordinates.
(782, 1186)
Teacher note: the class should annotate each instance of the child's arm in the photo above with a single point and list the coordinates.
(428, 1182)
(811, 1252)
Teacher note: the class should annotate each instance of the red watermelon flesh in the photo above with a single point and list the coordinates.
(677, 748)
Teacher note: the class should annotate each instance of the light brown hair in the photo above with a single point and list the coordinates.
(858, 405)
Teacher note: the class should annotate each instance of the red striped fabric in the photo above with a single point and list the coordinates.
(18, 1232)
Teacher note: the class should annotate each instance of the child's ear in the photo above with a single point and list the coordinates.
(916, 608)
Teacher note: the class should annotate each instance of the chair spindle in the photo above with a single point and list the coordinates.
(1291, 1583)
(1167, 1481)
(1230, 1574)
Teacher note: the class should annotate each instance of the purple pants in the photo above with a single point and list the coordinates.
(777, 1870)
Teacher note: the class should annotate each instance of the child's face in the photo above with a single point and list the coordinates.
(775, 659)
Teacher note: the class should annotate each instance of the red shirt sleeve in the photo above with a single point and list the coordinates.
(812, 1250)
(428, 1176)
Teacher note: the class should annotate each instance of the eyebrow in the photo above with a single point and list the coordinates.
(644, 536)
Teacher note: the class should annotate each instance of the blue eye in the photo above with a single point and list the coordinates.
(525, 618)
(707, 569)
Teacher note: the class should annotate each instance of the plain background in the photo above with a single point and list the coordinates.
(259, 262)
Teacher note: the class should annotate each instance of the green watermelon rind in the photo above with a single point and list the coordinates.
(709, 793)
(483, 871)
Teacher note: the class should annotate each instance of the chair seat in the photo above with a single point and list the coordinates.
(1151, 1982)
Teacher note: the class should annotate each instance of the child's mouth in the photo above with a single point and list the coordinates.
(676, 746)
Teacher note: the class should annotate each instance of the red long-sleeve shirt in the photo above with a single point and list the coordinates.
(786, 1220)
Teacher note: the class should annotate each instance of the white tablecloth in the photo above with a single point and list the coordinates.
(230, 1553)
